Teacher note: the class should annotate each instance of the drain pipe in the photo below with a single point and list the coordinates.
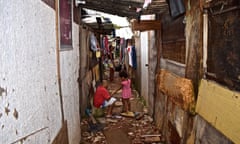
(58, 58)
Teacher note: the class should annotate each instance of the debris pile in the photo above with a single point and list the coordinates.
(138, 131)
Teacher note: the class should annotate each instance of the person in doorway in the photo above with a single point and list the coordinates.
(102, 98)
(126, 91)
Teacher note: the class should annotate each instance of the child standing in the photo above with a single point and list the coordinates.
(126, 91)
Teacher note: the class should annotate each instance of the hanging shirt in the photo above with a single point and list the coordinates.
(93, 42)
(129, 50)
(106, 44)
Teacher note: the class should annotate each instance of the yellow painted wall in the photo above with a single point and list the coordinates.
(221, 108)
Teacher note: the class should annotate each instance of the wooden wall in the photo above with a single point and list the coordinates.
(217, 107)
(194, 43)
(221, 108)
(173, 106)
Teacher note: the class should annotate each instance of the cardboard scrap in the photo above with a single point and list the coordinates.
(128, 114)
(152, 139)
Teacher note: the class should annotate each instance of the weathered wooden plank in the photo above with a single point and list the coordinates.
(194, 38)
(221, 108)
(144, 25)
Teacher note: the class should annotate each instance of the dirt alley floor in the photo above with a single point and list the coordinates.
(119, 129)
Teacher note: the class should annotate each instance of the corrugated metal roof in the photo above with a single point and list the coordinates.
(126, 8)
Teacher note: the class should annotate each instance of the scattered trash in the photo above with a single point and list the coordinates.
(131, 134)
(95, 127)
(111, 120)
(97, 139)
(138, 126)
(153, 135)
(117, 116)
(118, 103)
(152, 139)
(102, 120)
(128, 114)
(139, 116)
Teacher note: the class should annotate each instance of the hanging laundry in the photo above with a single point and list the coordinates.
(146, 3)
(129, 51)
(102, 42)
(106, 44)
(134, 57)
(93, 42)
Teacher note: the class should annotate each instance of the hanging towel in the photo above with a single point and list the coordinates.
(134, 57)
(93, 42)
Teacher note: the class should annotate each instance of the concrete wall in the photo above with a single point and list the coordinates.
(29, 91)
(69, 75)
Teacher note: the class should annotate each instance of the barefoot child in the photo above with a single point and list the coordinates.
(126, 91)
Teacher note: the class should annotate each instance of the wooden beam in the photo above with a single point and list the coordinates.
(144, 25)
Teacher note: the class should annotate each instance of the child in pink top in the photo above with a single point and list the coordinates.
(126, 93)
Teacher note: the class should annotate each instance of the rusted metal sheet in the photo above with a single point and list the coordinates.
(174, 50)
(144, 25)
(126, 8)
(223, 46)
(180, 90)
(173, 39)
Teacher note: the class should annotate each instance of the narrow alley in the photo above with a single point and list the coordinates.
(121, 129)
(120, 72)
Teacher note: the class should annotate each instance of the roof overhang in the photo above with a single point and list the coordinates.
(131, 9)
(126, 8)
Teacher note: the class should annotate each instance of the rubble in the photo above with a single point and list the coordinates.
(138, 131)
